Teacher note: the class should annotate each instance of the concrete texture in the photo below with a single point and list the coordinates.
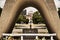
(12, 9)
(41, 28)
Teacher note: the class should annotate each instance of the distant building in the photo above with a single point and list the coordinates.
(24, 12)
(30, 15)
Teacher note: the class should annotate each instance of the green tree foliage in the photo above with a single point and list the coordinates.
(26, 21)
(59, 11)
(37, 18)
(0, 11)
(22, 19)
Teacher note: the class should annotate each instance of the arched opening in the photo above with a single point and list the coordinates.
(28, 4)
(32, 4)
(34, 30)
(33, 17)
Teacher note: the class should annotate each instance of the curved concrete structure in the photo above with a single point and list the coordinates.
(12, 9)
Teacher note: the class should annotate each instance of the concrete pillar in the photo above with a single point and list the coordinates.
(43, 38)
(6, 37)
(37, 37)
(21, 37)
(7, 16)
(52, 38)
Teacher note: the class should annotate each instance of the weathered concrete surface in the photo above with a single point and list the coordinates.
(12, 9)
(41, 28)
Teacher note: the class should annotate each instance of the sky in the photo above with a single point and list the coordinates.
(57, 3)
(2, 2)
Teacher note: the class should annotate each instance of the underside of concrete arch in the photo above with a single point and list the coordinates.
(12, 9)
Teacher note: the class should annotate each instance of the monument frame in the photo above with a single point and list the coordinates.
(12, 9)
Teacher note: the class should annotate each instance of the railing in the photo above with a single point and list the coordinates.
(44, 35)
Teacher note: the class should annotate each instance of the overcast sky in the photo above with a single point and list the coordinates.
(2, 2)
(57, 3)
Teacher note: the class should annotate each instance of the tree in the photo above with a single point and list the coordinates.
(59, 11)
(22, 19)
(37, 18)
(27, 20)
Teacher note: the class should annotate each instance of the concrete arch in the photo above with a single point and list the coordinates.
(11, 12)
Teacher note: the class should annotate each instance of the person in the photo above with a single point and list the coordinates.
(30, 26)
